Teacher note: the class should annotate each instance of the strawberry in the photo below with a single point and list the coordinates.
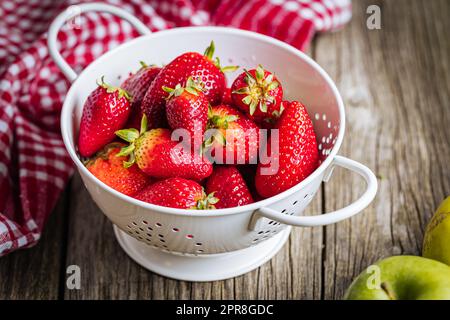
(191, 64)
(237, 136)
(229, 187)
(158, 156)
(226, 97)
(137, 85)
(109, 169)
(105, 111)
(258, 93)
(187, 108)
(177, 193)
(248, 172)
(297, 157)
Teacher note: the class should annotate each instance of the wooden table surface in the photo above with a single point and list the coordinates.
(395, 84)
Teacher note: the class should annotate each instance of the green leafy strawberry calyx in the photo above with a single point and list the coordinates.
(209, 53)
(143, 65)
(112, 89)
(226, 68)
(217, 122)
(206, 202)
(218, 136)
(276, 114)
(131, 136)
(220, 122)
(193, 87)
(257, 91)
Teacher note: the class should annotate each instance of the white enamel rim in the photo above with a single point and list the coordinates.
(331, 160)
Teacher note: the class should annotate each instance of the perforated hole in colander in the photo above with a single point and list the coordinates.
(326, 128)
(162, 237)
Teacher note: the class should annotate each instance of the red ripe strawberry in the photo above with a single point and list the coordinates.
(237, 136)
(228, 186)
(177, 193)
(297, 157)
(258, 93)
(108, 168)
(137, 85)
(226, 97)
(191, 64)
(105, 111)
(187, 108)
(158, 156)
(248, 172)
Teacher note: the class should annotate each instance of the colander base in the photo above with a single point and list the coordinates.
(205, 267)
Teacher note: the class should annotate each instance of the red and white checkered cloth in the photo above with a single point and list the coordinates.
(34, 165)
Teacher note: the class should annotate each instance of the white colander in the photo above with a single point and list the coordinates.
(211, 244)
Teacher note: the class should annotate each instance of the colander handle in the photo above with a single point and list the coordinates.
(72, 12)
(334, 216)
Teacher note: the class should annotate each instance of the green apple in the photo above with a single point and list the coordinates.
(436, 242)
(402, 278)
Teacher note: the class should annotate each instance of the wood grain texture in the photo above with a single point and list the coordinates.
(34, 273)
(395, 85)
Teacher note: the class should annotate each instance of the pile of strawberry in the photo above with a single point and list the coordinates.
(126, 135)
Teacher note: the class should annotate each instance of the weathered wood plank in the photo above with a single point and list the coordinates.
(108, 273)
(34, 273)
(395, 85)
